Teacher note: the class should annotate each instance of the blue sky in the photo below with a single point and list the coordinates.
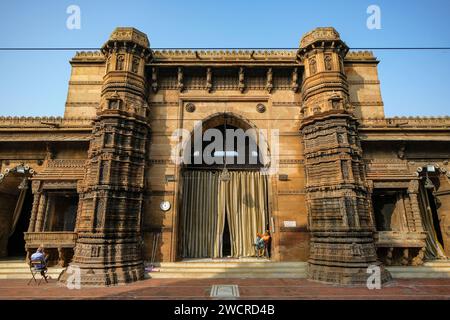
(34, 83)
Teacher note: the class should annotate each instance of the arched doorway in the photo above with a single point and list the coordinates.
(224, 194)
(15, 210)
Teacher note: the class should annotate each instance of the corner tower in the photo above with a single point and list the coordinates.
(108, 249)
(339, 206)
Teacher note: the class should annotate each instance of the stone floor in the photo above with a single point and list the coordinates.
(248, 289)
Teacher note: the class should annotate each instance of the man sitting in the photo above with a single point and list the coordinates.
(262, 243)
(39, 255)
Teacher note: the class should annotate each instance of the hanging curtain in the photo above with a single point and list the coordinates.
(434, 249)
(199, 218)
(246, 210)
(206, 202)
(221, 211)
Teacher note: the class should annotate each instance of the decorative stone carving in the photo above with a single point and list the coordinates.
(120, 62)
(154, 80)
(294, 84)
(260, 108)
(135, 64)
(418, 259)
(209, 84)
(312, 66)
(389, 256)
(328, 62)
(401, 152)
(180, 83)
(269, 83)
(190, 107)
(241, 80)
(405, 257)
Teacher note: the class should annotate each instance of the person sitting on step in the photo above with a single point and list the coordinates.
(262, 243)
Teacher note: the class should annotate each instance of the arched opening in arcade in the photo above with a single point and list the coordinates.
(16, 200)
(434, 188)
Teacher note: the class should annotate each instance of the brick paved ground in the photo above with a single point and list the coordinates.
(248, 289)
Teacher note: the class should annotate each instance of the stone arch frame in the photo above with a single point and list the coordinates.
(238, 121)
(212, 121)
(27, 171)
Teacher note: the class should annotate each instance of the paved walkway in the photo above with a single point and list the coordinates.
(248, 289)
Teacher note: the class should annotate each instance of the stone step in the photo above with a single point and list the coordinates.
(209, 275)
(26, 276)
(54, 274)
(228, 269)
(438, 263)
(19, 269)
(27, 270)
(256, 265)
(430, 270)
(232, 270)
(12, 265)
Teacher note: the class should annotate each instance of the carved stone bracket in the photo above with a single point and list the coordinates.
(241, 80)
(269, 82)
(209, 84)
(180, 78)
(154, 80)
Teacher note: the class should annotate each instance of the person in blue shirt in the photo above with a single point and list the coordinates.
(39, 255)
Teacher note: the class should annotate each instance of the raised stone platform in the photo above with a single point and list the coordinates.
(234, 268)
(429, 270)
(227, 268)
(252, 268)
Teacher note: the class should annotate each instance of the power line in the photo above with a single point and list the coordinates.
(196, 49)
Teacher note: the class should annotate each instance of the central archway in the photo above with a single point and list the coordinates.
(224, 191)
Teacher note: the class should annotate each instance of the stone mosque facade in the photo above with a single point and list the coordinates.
(100, 190)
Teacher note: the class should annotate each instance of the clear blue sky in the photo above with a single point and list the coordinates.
(413, 83)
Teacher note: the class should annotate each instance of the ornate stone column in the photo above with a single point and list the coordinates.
(413, 195)
(34, 210)
(42, 208)
(108, 249)
(340, 222)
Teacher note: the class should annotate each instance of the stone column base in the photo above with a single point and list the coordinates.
(345, 275)
(91, 276)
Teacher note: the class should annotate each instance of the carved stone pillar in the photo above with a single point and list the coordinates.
(413, 195)
(42, 208)
(108, 249)
(34, 211)
(340, 222)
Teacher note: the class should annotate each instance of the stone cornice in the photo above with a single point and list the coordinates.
(44, 123)
(406, 122)
(88, 57)
(203, 57)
